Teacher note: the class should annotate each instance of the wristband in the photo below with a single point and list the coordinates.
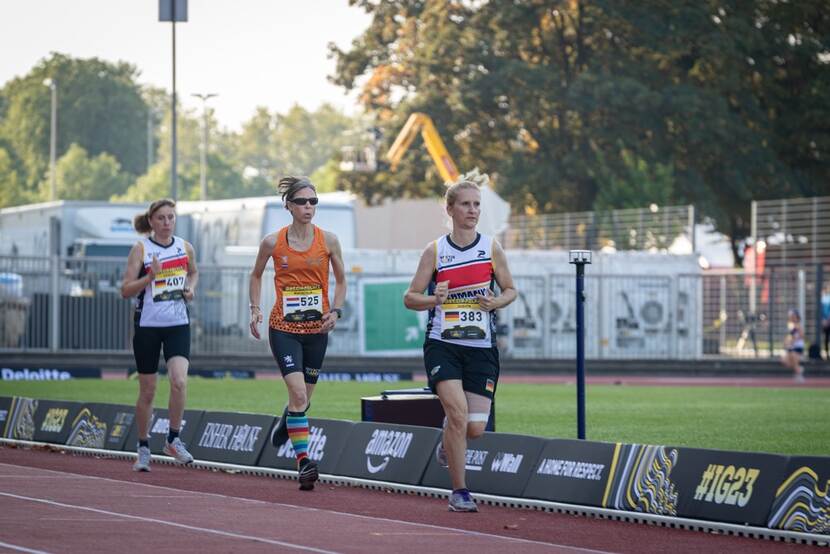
(254, 307)
(337, 311)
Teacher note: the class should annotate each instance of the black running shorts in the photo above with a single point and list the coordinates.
(299, 352)
(477, 368)
(148, 342)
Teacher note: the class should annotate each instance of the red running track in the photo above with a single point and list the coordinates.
(58, 502)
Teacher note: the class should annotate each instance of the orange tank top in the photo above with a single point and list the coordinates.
(301, 280)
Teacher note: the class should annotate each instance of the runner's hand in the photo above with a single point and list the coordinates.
(188, 294)
(487, 303)
(156, 265)
(256, 319)
(329, 321)
(441, 292)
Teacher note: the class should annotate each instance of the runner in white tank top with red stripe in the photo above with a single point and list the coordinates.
(461, 359)
(161, 272)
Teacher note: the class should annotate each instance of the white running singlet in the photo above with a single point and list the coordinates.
(470, 272)
(161, 303)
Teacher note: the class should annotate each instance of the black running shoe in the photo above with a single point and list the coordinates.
(280, 433)
(308, 474)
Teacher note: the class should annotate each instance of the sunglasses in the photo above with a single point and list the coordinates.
(303, 201)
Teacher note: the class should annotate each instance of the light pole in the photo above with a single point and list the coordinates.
(173, 11)
(203, 154)
(151, 121)
(580, 258)
(53, 138)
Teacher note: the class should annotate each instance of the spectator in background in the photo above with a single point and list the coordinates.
(825, 319)
(794, 345)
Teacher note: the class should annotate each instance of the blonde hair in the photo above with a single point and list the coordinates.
(141, 221)
(472, 180)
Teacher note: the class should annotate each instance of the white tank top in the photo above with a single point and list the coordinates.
(161, 303)
(460, 319)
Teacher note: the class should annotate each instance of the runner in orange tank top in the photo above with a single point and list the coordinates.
(301, 317)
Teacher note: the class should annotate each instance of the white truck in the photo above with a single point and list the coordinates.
(69, 228)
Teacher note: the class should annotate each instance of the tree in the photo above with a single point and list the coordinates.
(559, 100)
(100, 108)
(79, 177)
(13, 190)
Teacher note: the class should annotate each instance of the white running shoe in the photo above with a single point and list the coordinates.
(441, 454)
(177, 450)
(143, 461)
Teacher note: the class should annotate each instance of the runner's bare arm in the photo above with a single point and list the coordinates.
(131, 284)
(192, 272)
(414, 298)
(255, 282)
(337, 267)
(504, 279)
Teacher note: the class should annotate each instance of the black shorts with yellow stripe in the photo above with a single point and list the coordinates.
(476, 368)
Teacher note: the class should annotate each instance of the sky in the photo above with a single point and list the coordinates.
(251, 53)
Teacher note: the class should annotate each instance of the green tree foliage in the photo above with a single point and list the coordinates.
(565, 102)
(298, 142)
(79, 177)
(100, 108)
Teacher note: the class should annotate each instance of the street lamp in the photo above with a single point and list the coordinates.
(53, 138)
(580, 258)
(203, 154)
(173, 11)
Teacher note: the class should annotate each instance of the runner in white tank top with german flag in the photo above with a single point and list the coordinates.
(161, 303)
(469, 270)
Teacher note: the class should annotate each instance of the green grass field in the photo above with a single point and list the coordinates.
(786, 420)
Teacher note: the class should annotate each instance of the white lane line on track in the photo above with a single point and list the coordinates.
(359, 516)
(21, 548)
(170, 524)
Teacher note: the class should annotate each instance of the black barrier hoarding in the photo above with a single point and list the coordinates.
(326, 440)
(386, 452)
(496, 463)
(571, 471)
(123, 418)
(53, 420)
(160, 425)
(231, 438)
(734, 487)
(101, 426)
(641, 479)
(366, 376)
(48, 373)
(20, 422)
(802, 499)
(5, 406)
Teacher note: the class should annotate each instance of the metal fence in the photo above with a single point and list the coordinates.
(73, 305)
(632, 229)
(793, 230)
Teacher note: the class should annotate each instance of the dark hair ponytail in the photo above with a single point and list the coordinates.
(141, 221)
(289, 186)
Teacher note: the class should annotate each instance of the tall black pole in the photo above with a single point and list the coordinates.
(580, 351)
(579, 258)
(173, 184)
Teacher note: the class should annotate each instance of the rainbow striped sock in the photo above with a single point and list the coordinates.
(297, 425)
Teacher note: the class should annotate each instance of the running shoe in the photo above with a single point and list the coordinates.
(142, 463)
(308, 474)
(441, 454)
(177, 450)
(280, 432)
(461, 501)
